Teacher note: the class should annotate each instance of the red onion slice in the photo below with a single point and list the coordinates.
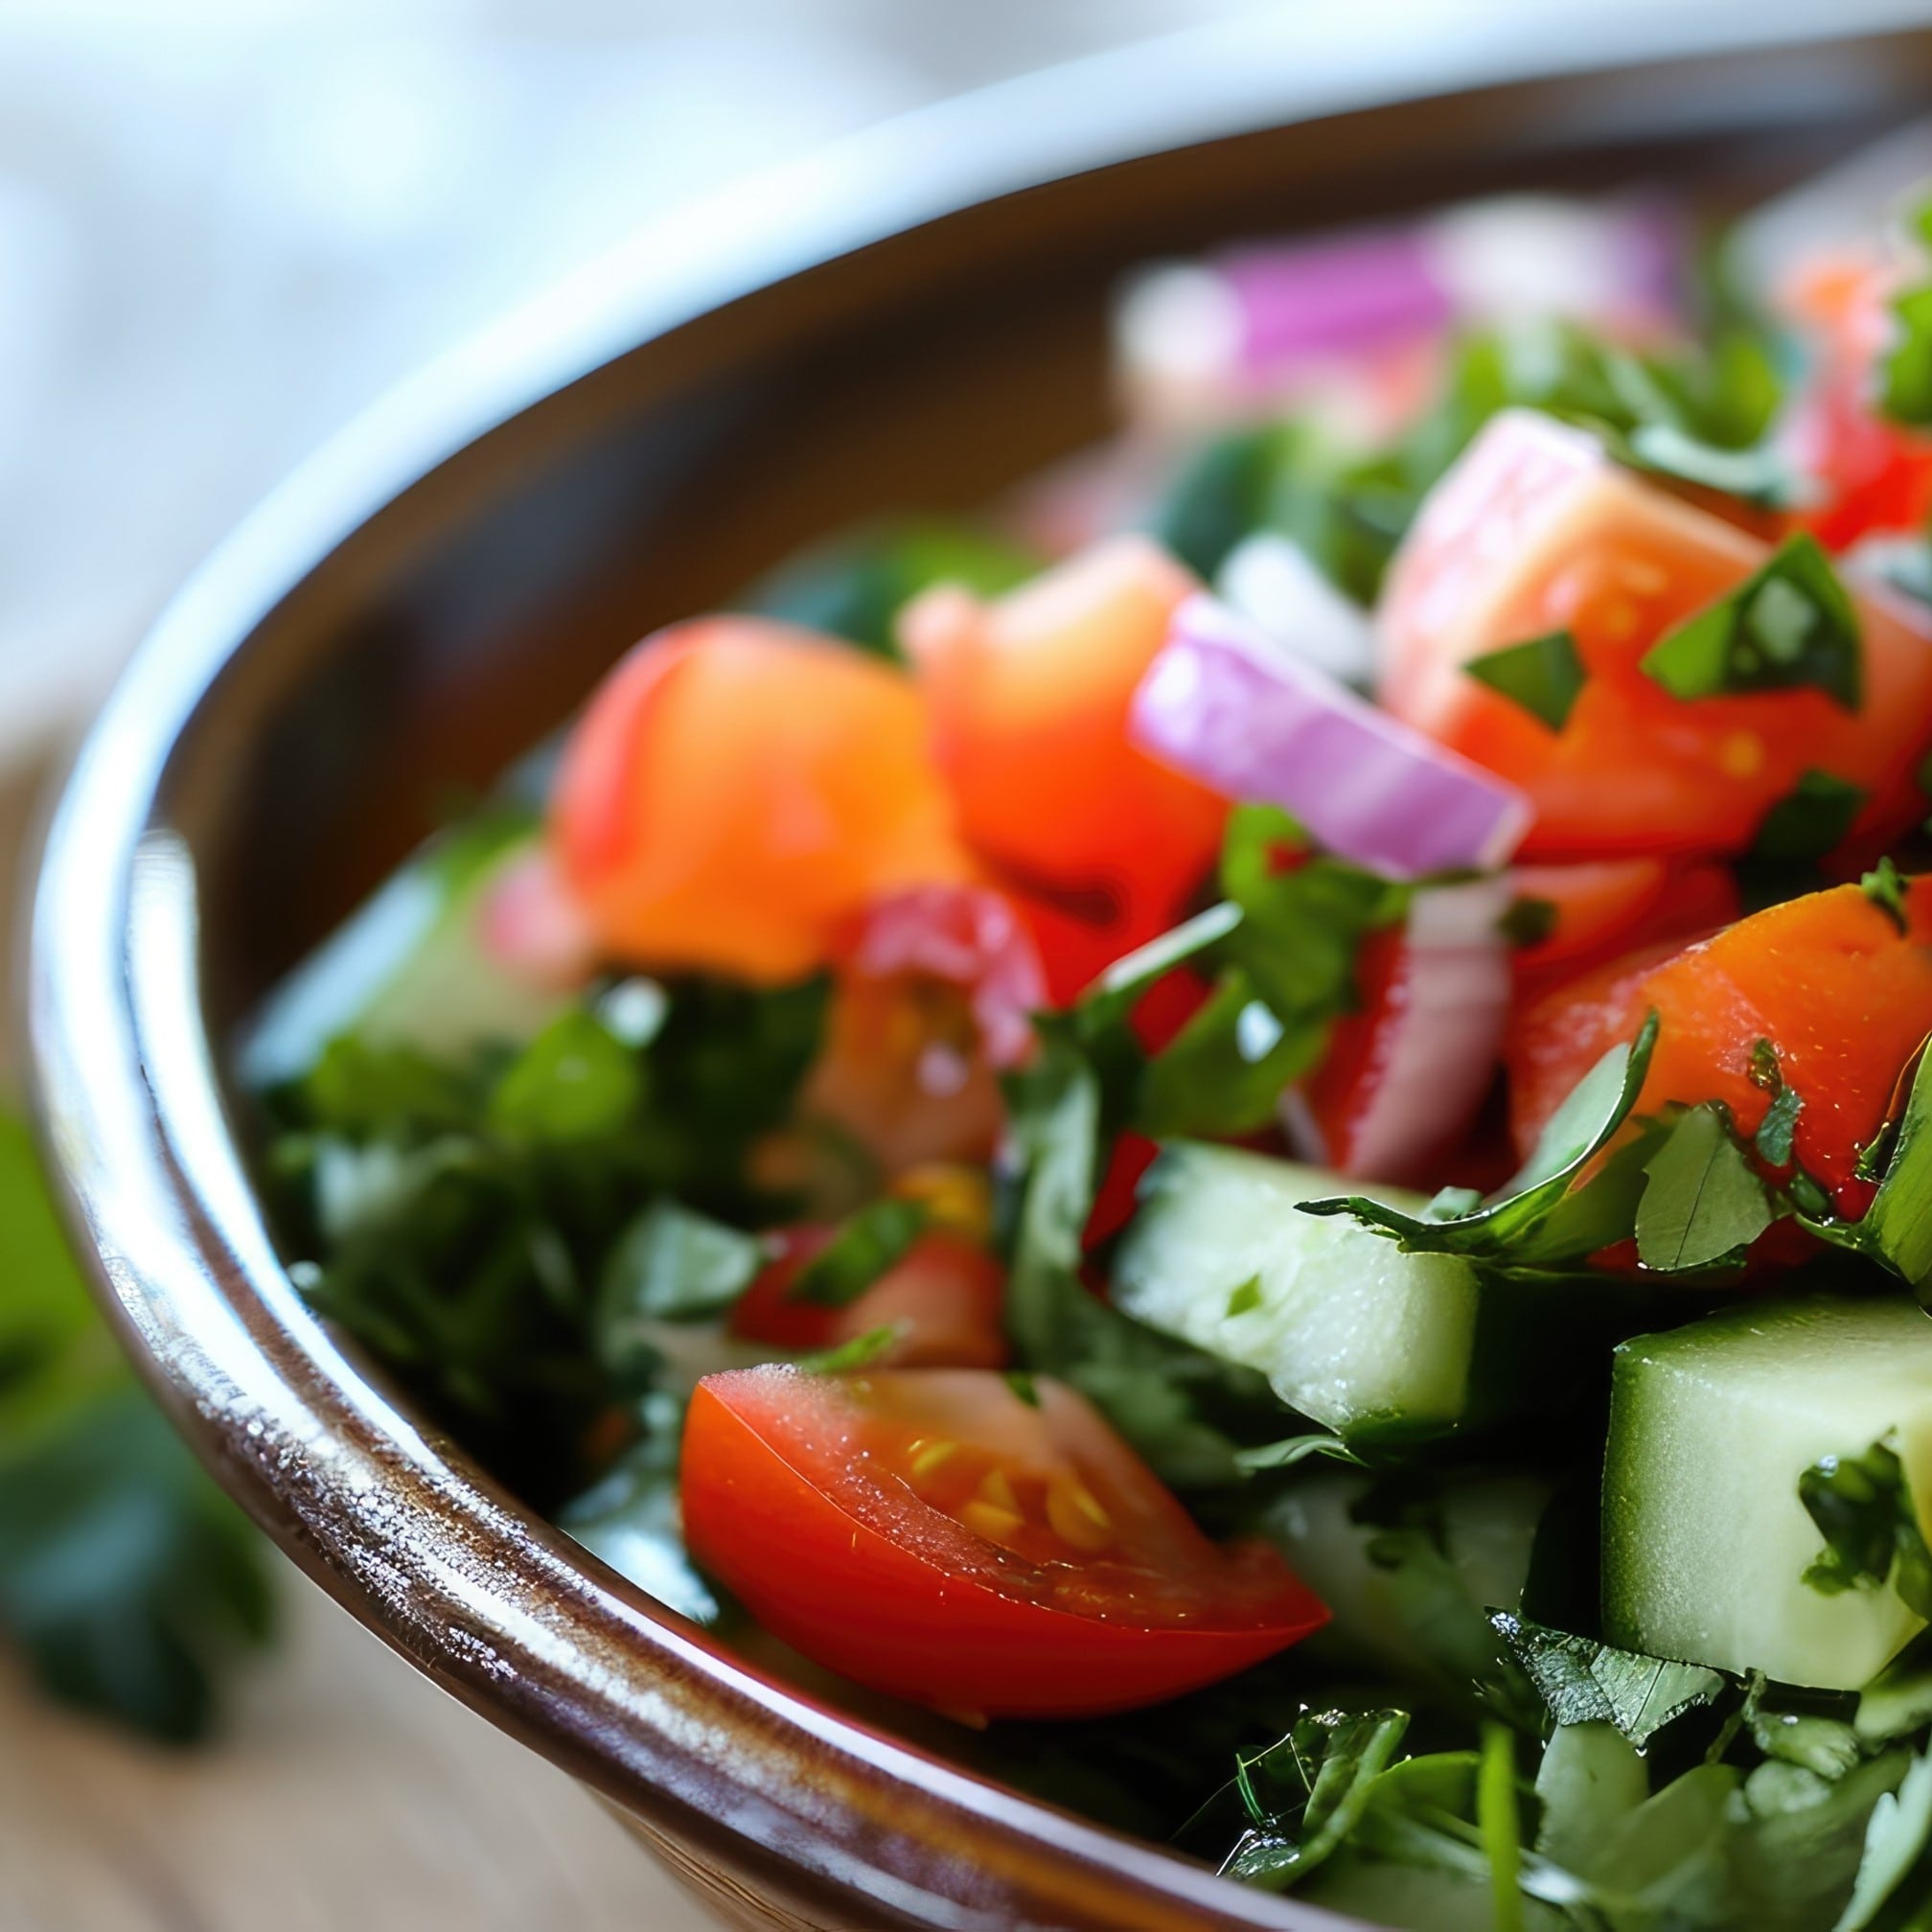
(1406, 1076)
(1223, 704)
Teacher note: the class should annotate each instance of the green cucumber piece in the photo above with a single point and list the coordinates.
(1411, 1601)
(1349, 1330)
(407, 969)
(1705, 1540)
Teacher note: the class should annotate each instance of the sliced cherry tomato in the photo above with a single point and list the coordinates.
(947, 1297)
(933, 1534)
(1829, 981)
(1118, 1195)
(737, 789)
(934, 991)
(1536, 530)
(1029, 698)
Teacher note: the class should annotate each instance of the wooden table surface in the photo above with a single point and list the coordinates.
(350, 1795)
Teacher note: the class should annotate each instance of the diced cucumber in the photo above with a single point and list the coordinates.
(407, 969)
(1347, 1328)
(1705, 1540)
(1413, 1602)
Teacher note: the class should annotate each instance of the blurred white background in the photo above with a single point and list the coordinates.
(227, 224)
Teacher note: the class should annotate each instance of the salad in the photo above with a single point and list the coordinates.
(1259, 1126)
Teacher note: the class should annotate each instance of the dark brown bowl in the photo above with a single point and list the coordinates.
(912, 321)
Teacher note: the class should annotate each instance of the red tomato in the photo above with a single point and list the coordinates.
(1119, 1193)
(935, 992)
(1841, 995)
(932, 1534)
(947, 1297)
(1029, 696)
(1613, 907)
(1536, 530)
(737, 789)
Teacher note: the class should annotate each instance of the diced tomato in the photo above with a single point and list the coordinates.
(1840, 995)
(1875, 475)
(1536, 530)
(946, 1297)
(1118, 1195)
(935, 1535)
(1611, 907)
(1029, 696)
(737, 789)
(936, 988)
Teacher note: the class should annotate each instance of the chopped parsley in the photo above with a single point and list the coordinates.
(1789, 625)
(1542, 676)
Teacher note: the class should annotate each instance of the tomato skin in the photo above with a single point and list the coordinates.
(737, 789)
(1828, 980)
(1536, 530)
(933, 994)
(788, 1502)
(947, 1296)
(1030, 695)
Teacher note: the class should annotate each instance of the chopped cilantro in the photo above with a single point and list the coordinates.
(1776, 1131)
(1813, 818)
(1886, 890)
(1529, 922)
(1703, 1202)
(1585, 1682)
(1542, 676)
(870, 1243)
(1863, 1508)
(1790, 625)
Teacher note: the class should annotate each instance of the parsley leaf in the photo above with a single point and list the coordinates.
(1544, 676)
(1585, 1682)
(1702, 1202)
(1863, 1508)
(871, 1243)
(1895, 1840)
(1886, 890)
(1813, 817)
(1306, 1794)
(856, 588)
(1158, 1393)
(1543, 1219)
(1790, 625)
(1896, 1228)
(1905, 394)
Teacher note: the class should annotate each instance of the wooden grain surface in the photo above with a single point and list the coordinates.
(351, 1795)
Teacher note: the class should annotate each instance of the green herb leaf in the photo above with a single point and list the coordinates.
(1529, 922)
(862, 1352)
(673, 1265)
(1886, 890)
(1294, 1450)
(1499, 1817)
(1584, 1682)
(1544, 676)
(1907, 394)
(1776, 1131)
(856, 588)
(576, 1081)
(1537, 1221)
(1790, 625)
(1813, 817)
(1896, 1841)
(1156, 1391)
(870, 1244)
(1317, 1780)
(1703, 1202)
(1863, 1508)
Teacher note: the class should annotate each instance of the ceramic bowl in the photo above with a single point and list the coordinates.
(916, 319)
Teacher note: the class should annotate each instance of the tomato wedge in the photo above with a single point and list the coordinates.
(933, 1534)
(1536, 530)
(946, 1297)
(1829, 981)
(1029, 696)
(738, 789)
